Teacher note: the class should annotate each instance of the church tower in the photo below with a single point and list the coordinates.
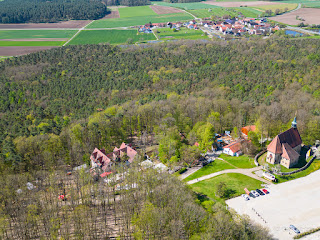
(294, 123)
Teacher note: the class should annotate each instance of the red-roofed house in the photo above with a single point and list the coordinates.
(245, 130)
(284, 149)
(233, 149)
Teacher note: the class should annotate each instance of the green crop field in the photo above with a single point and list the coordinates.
(109, 36)
(136, 21)
(289, 6)
(16, 34)
(305, 3)
(221, 11)
(235, 183)
(30, 43)
(186, 6)
(136, 11)
(184, 33)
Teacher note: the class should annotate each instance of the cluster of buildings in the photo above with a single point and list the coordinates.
(103, 162)
(234, 26)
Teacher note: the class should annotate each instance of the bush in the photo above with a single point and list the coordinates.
(307, 233)
(182, 170)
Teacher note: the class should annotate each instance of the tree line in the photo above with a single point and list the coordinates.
(58, 105)
(39, 11)
(129, 3)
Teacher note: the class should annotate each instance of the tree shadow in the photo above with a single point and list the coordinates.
(202, 197)
(229, 192)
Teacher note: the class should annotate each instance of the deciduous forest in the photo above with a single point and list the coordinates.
(57, 105)
(40, 11)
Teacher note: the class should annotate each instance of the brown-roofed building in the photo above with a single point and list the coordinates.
(233, 149)
(284, 149)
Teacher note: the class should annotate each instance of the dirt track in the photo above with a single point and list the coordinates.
(15, 51)
(67, 24)
(238, 4)
(164, 10)
(310, 15)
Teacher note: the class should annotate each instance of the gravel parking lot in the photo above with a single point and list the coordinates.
(295, 202)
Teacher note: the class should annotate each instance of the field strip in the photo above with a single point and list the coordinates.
(155, 35)
(31, 29)
(190, 14)
(77, 33)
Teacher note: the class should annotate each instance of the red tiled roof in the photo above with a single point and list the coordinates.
(291, 137)
(245, 130)
(234, 147)
(105, 174)
(288, 152)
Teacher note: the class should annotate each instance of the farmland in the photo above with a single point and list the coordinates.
(136, 11)
(310, 15)
(184, 33)
(30, 43)
(220, 11)
(289, 6)
(185, 6)
(109, 36)
(22, 34)
(134, 21)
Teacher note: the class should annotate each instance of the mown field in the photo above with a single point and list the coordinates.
(30, 43)
(221, 11)
(235, 183)
(186, 6)
(136, 11)
(135, 21)
(184, 33)
(109, 36)
(289, 6)
(305, 3)
(243, 161)
(16, 34)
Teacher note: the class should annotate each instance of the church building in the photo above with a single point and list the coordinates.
(285, 148)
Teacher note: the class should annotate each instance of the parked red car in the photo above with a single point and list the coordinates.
(265, 191)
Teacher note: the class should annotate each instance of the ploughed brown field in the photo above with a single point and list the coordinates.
(164, 10)
(113, 14)
(35, 39)
(15, 51)
(310, 15)
(238, 4)
(66, 24)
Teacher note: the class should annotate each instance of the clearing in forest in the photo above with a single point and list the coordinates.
(136, 11)
(137, 21)
(109, 36)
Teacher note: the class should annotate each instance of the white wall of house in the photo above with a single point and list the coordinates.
(228, 151)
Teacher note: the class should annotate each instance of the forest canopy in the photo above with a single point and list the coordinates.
(41, 11)
(58, 105)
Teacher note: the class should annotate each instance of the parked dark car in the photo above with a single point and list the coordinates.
(260, 192)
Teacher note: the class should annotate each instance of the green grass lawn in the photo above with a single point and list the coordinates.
(235, 182)
(186, 6)
(16, 34)
(243, 161)
(136, 11)
(30, 43)
(109, 36)
(184, 33)
(216, 166)
(136, 21)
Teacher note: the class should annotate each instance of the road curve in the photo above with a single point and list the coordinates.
(244, 171)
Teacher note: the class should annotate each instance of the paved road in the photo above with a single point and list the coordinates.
(189, 172)
(244, 171)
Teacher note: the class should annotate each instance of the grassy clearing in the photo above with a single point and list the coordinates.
(136, 11)
(221, 11)
(235, 182)
(184, 33)
(289, 6)
(185, 6)
(243, 161)
(109, 36)
(136, 21)
(30, 43)
(216, 166)
(16, 34)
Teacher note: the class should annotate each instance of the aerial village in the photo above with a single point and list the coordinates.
(233, 27)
